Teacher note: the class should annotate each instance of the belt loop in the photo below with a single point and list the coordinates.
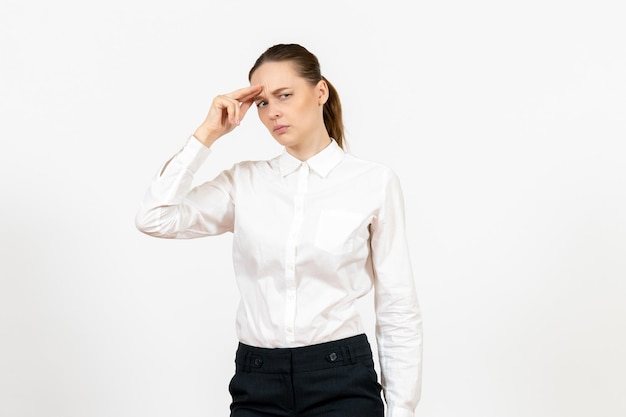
(348, 354)
(351, 355)
(246, 361)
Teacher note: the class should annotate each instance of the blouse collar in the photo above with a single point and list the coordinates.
(322, 162)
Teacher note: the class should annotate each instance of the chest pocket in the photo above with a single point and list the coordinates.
(338, 231)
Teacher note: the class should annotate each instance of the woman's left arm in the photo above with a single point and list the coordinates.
(398, 315)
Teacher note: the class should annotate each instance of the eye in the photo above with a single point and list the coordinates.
(285, 95)
(261, 104)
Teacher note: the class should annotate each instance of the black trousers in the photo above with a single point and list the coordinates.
(333, 379)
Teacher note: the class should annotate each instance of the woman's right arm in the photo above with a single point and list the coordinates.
(170, 208)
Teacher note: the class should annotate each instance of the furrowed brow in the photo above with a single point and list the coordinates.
(273, 93)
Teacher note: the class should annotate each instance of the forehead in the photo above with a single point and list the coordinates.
(275, 75)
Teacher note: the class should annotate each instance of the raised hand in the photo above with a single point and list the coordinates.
(226, 112)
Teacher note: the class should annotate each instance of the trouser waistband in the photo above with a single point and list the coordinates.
(303, 359)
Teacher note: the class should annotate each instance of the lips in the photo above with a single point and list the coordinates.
(280, 129)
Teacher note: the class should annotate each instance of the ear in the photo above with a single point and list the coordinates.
(322, 92)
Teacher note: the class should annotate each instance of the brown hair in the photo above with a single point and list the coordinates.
(308, 67)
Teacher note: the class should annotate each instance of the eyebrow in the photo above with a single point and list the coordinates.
(277, 91)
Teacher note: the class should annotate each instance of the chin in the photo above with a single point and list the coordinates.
(282, 140)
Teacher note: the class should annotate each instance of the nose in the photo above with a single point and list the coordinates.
(273, 111)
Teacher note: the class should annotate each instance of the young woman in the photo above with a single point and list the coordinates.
(314, 229)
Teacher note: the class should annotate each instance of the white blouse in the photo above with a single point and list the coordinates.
(309, 239)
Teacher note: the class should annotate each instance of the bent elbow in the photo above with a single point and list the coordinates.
(147, 222)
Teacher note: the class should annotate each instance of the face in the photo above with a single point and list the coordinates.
(289, 106)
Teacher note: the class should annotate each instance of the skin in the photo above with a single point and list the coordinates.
(288, 105)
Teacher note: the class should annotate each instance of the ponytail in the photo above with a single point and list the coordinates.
(332, 115)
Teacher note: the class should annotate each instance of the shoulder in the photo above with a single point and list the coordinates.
(374, 168)
(252, 167)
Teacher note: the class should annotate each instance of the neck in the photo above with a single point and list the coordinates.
(306, 151)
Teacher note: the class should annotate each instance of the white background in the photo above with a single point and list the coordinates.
(505, 121)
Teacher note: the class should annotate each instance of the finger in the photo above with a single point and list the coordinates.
(246, 93)
(243, 109)
(233, 112)
(233, 102)
(229, 107)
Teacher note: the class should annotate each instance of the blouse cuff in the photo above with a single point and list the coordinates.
(193, 154)
(399, 412)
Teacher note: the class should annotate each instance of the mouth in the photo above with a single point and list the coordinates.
(280, 129)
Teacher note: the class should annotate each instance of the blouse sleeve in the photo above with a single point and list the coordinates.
(398, 316)
(172, 209)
